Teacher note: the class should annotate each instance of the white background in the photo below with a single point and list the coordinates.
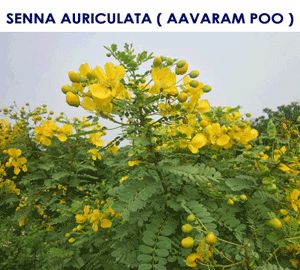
(153, 7)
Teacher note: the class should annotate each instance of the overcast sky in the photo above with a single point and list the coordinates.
(254, 70)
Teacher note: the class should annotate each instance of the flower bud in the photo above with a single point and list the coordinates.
(191, 218)
(194, 83)
(186, 228)
(170, 61)
(275, 223)
(194, 74)
(243, 197)
(71, 240)
(74, 77)
(182, 70)
(182, 97)
(187, 242)
(66, 88)
(72, 99)
(180, 64)
(210, 238)
(157, 61)
(207, 88)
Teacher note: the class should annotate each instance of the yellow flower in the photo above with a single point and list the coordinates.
(283, 167)
(84, 69)
(191, 260)
(113, 149)
(110, 78)
(217, 134)
(186, 129)
(63, 132)
(88, 104)
(123, 179)
(198, 141)
(2, 171)
(295, 262)
(80, 218)
(14, 152)
(101, 93)
(182, 70)
(203, 106)
(22, 221)
(132, 163)
(95, 154)
(9, 186)
(203, 250)
(245, 135)
(164, 80)
(95, 139)
(105, 223)
(15, 160)
(95, 215)
(294, 199)
(45, 132)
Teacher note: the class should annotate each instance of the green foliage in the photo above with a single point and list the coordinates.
(83, 205)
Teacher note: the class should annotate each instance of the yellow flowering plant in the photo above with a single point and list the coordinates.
(184, 184)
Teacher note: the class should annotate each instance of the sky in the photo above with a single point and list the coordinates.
(253, 70)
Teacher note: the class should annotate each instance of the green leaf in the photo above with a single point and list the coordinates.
(144, 258)
(145, 266)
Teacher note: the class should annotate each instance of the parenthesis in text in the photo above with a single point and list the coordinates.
(292, 19)
(158, 19)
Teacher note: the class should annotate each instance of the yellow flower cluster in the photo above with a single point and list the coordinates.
(95, 139)
(294, 199)
(22, 203)
(204, 249)
(291, 168)
(48, 129)
(203, 253)
(194, 134)
(179, 97)
(7, 185)
(16, 160)
(96, 218)
(95, 89)
(8, 132)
